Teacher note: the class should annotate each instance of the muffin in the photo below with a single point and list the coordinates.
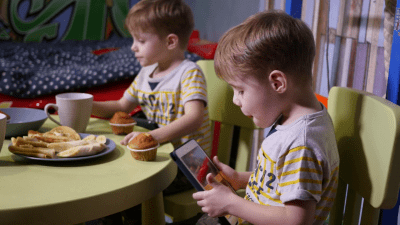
(143, 147)
(122, 123)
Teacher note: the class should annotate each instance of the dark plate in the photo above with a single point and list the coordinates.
(22, 120)
(110, 146)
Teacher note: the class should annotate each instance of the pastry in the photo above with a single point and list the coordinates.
(143, 147)
(83, 150)
(142, 141)
(58, 134)
(62, 146)
(32, 151)
(60, 142)
(122, 123)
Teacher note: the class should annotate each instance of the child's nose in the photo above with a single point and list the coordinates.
(236, 101)
(134, 48)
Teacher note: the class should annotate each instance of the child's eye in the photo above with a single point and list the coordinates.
(138, 41)
(240, 92)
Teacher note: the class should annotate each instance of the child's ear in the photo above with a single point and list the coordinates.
(172, 41)
(278, 81)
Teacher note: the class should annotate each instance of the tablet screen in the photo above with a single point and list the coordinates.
(195, 164)
(199, 165)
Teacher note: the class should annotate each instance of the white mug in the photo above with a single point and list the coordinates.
(74, 110)
(3, 125)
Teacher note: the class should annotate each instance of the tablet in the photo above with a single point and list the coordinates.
(194, 162)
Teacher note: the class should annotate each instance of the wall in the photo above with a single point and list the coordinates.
(213, 18)
(56, 20)
(352, 54)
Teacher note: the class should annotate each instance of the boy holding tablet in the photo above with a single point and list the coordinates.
(268, 62)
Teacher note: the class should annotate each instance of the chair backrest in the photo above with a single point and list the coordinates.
(234, 135)
(368, 137)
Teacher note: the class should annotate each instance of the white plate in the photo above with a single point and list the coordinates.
(110, 146)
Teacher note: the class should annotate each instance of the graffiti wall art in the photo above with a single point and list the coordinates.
(58, 20)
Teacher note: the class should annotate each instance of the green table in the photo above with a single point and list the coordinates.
(71, 192)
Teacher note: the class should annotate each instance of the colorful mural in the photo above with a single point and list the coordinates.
(58, 20)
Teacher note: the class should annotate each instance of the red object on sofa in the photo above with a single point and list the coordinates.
(104, 51)
(203, 48)
(322, 99)
(100, 93)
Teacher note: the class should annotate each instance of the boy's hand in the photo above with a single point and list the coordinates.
(128, 137)
(228, 173)
(216, 201)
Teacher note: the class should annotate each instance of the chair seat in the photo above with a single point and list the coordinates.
(181, 206)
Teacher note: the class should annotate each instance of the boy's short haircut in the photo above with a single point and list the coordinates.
(162, 17)
(267, 41)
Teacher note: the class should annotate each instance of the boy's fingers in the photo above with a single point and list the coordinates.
(198, 195)
(215, 159)
(126, 139)
(217, 162)
(124, 142)
(211, 180)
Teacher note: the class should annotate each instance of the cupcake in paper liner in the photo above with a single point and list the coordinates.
(122, 123)
(143, 147)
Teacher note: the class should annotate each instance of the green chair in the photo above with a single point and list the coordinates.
(234, 138)
(367, 133)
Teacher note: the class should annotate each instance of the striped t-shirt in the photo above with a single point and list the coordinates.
(165, 102)
(299, 161)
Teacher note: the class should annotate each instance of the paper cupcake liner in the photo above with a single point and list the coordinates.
(120, 129)
(148, 154)
(143, 150)
(123, 125)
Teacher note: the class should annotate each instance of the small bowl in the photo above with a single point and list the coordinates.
(22, 120)
(148, 154)
(3, 125)
(119, 129)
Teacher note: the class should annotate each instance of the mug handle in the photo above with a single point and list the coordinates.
(50, 105)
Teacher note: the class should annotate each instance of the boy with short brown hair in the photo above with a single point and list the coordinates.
(268, 61)
(162, 18)
(170, 89)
